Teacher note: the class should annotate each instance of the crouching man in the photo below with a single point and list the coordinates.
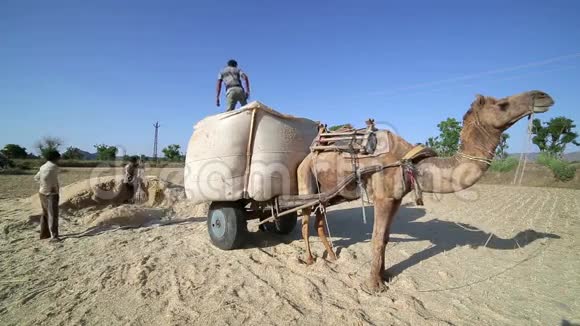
(48, 193)
(130, 174)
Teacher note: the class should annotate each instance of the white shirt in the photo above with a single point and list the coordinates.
(47, 176)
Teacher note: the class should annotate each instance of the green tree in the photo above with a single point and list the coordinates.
(447, 143)
(346, 125)
(500, 151)
(172, 153)
(13, 151)
(48, 144)
(72, 153)
(106, 152)
(553, 136)
(434, 143)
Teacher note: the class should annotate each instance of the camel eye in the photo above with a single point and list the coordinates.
(502, 105)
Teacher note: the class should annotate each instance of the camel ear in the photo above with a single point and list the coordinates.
(479, 100)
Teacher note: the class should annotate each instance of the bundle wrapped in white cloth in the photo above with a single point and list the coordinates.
(249, 153)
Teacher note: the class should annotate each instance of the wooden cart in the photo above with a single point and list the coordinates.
(227, 220)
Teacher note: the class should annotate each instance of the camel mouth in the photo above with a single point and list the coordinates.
(540, 106)
(541, 109)
(543, 103)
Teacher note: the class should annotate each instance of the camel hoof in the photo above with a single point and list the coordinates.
(332, 257)
(309, 261)
(376, 286)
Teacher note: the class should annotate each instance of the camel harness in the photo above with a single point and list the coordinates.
(356, 142)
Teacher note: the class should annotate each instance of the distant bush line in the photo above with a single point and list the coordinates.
(504, 165)
(15, 171)
(33, 164)
(562, 170)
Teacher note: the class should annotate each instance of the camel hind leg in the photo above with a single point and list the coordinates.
(305, 217)
(306, 186)
(321, 227)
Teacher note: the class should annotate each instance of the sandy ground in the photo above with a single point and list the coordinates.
(492, 255)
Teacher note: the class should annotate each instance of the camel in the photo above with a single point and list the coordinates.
(483, 125)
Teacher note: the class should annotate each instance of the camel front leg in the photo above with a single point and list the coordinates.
(387, 235)
(305, 217)
(321, 227)
(385, 210)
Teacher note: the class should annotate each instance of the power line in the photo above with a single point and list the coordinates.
(155, 142)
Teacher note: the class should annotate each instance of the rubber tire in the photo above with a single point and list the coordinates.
(236, 226)
(284, 225)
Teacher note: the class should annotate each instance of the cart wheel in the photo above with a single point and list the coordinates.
(227, 225)
(284, 225)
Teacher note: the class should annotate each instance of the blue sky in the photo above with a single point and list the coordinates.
(104, 71)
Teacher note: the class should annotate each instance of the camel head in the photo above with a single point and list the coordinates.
(500, 114)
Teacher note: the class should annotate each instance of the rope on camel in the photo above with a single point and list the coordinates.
(320, 206)
(520, 170)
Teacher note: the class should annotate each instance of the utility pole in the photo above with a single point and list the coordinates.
(156, 125)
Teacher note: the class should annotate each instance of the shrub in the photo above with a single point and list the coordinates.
(88, 164)
(106, 152)
(5, 162)
(504, 165)
(31, 164)
(72, 153)
(25, 165)
(14, 171)
(544, 159)
(172, 153)
(562, 170)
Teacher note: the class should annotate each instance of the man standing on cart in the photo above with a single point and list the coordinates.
(232, 77)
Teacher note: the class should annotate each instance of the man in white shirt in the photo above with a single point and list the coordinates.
(48, 193)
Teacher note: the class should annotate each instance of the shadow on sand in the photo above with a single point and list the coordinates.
(96, 230)
(444, 236)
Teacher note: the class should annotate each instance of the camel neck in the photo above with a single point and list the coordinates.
(464, 169)
(478, 143)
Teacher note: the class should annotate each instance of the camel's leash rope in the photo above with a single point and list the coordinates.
(531, 256)
(520, 170)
